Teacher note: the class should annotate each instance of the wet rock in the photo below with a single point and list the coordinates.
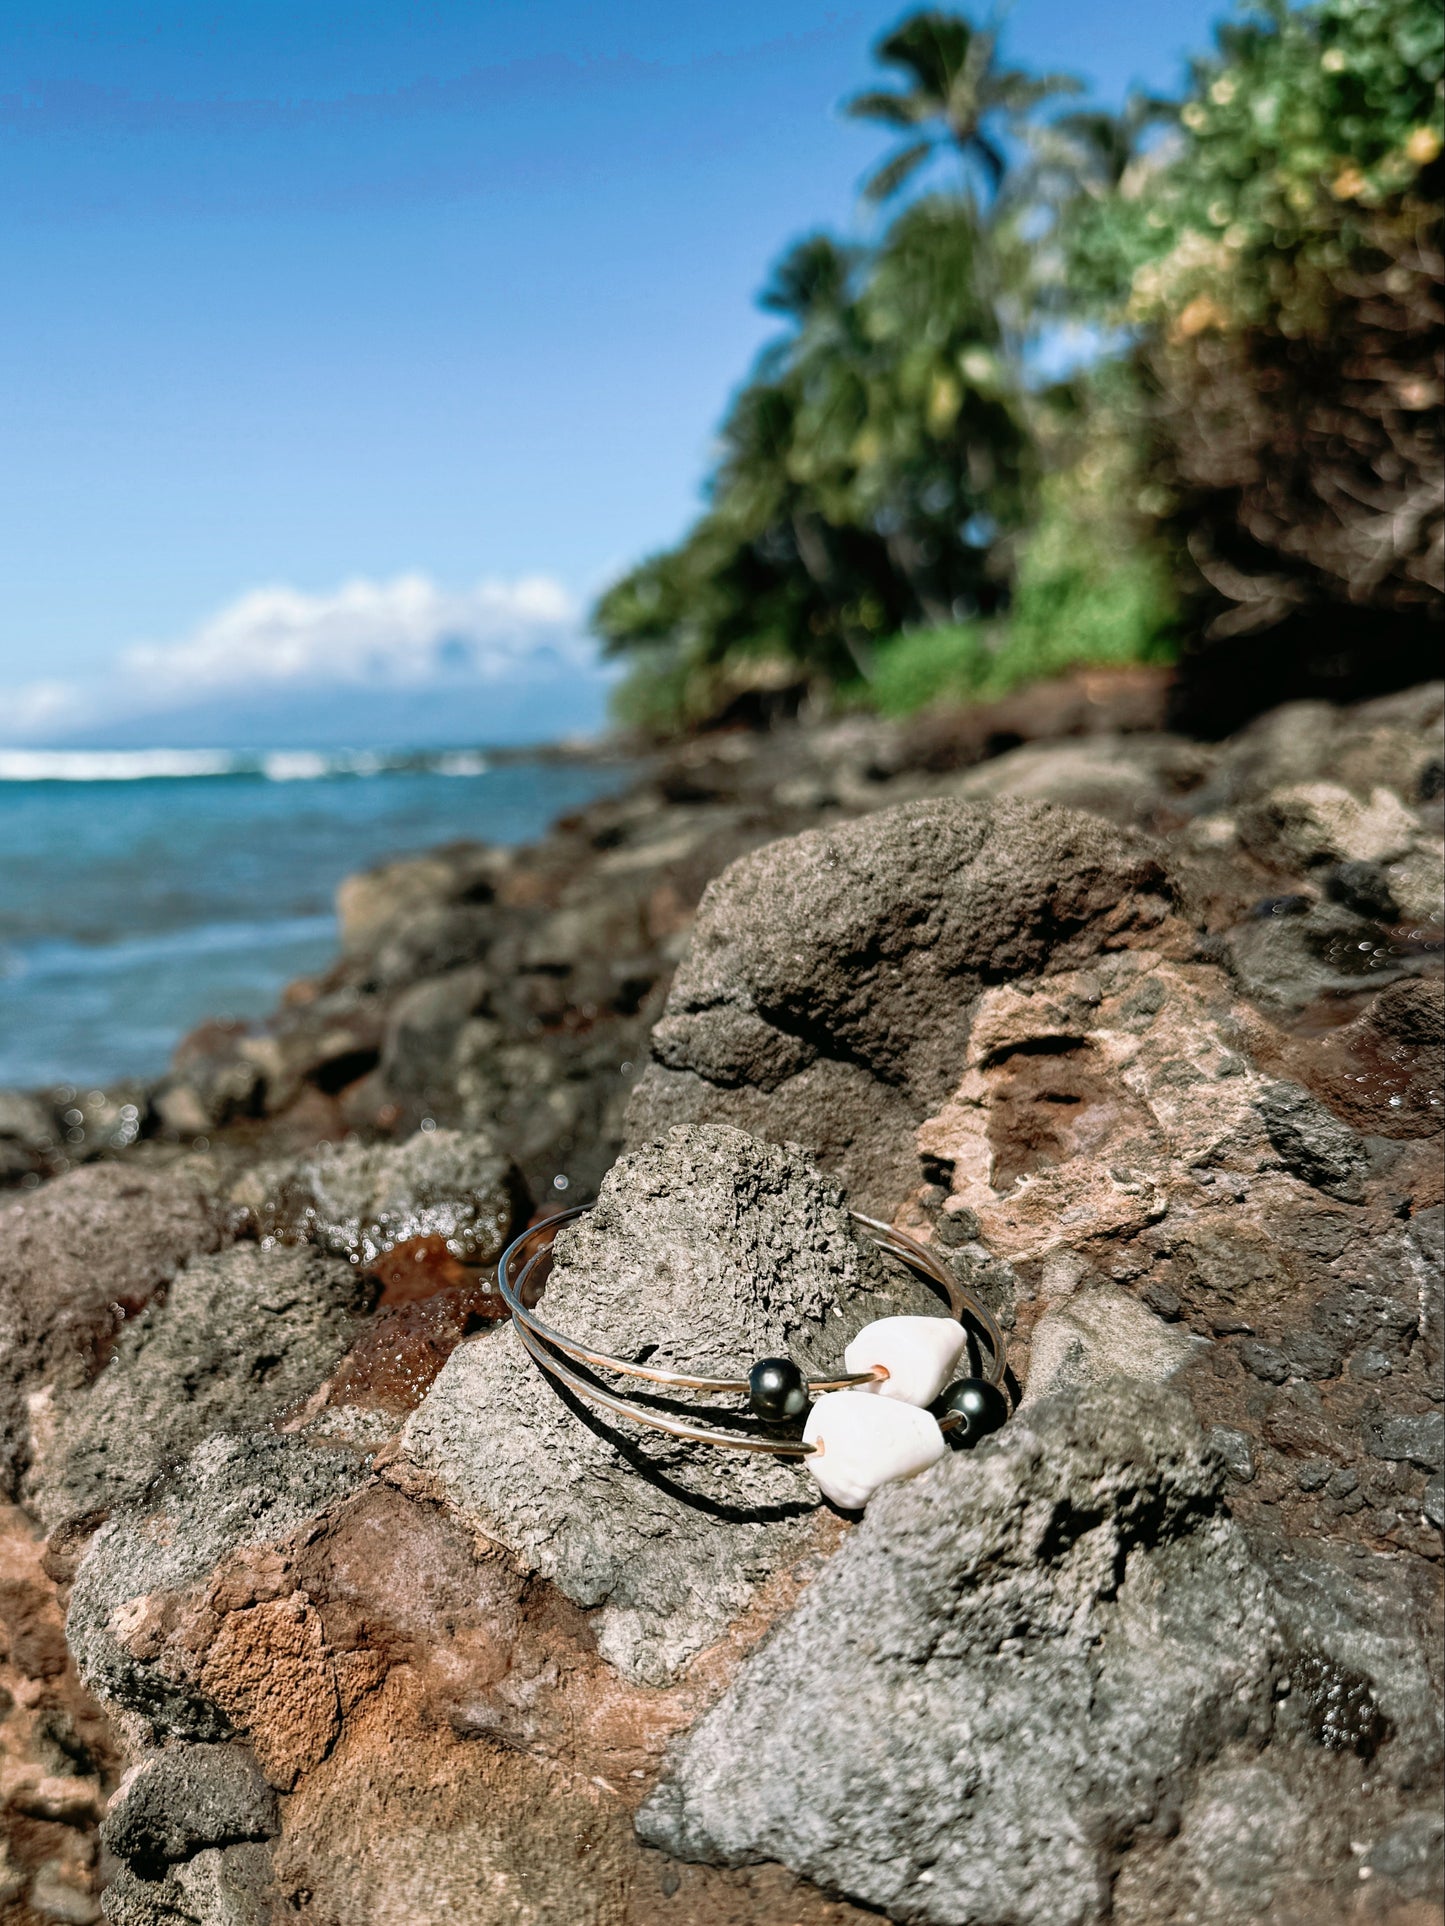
(1420, 1440)
(1287, 963)
(1360, 1631)
(825, 995)
(80, 1256)
(1384, 1073)
(360, 1201)
(1364, 888)
(1234, 1448)
(709, 1250)
(239, 1339)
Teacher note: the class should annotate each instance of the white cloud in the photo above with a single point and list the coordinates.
(405, 633)
(36, 708)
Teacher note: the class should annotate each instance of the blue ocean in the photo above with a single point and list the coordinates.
(141, 891)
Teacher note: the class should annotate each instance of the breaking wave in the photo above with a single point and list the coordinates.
(280, 765)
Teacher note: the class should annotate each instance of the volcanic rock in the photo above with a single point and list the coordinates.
(827, 991)
(706, 1250)
(1033, 1663)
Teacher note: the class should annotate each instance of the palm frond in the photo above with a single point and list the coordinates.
(990, 158)
(894, 110)
(932, 48)
(893, 173)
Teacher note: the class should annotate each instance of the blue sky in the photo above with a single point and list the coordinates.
(304, 297)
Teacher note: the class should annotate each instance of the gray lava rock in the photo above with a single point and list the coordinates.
(1360, 1626)
(1103, 1333)
(826, 992)
(29, 1133)
(1285, 963)
(1017, 1674)
(715, 1250)
(973, 1710)
(422, 1030)
(1235, 1449)
(1313, 1143)
(1410, 1855)
(362, 1200)
(183, 1798)
(78, 1254)
(227, 1887)
(239, 1337)
(231, 1492)
(375, 901)
(1419, 1440)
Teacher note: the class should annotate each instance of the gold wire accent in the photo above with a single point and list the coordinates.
(543, 1343)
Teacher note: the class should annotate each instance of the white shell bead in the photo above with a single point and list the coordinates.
(918, 1353)
(863, 1442)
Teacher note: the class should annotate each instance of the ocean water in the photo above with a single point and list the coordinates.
(143, 891)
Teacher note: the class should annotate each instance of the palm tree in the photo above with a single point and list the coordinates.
(1094, 149)
(954, 96)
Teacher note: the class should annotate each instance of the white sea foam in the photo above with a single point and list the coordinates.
(278, 765)
(299, 765)
(112, 765)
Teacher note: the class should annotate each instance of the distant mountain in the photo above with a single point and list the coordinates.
(520, 709)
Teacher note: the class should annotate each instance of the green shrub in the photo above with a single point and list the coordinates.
(928, 667)
(1092, 590)
(1281, 271)
(1247, 477)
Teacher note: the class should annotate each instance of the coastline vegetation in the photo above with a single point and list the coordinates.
(917, 500)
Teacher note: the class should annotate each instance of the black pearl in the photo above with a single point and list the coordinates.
(978, 1406)
(777, 1389)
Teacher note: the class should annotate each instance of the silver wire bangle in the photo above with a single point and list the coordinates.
(548, 1347)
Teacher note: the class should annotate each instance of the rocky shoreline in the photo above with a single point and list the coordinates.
(365, 1627)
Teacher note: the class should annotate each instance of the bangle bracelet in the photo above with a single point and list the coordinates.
(868, 1425)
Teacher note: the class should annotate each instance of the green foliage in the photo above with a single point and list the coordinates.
(931, 667)
(898, 511)
(955, 96)
(1092, 589)
(1307, 121)
(868, 471)
(1281, 268)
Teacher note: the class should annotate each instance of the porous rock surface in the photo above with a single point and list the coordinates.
(80, 1257)
(830, 976)
(706, 1251)
(359, 1201)
(1143, 1033)
(1029, 1664)
(238, 1339)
